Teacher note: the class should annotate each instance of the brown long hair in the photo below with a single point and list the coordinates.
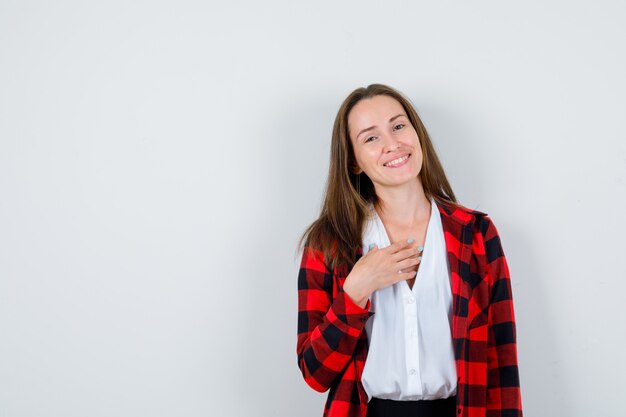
(338, 230)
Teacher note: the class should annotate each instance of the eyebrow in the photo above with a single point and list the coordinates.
(374, 127)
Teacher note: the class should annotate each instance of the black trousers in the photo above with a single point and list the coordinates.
(378, 407)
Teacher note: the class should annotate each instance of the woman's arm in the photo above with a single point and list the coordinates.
(328, 330)
(503, 386)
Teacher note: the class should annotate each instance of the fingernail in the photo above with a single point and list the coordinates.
(409, 241)
(420, 248)
(372, 245)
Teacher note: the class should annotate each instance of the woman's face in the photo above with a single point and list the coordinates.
(381, 133)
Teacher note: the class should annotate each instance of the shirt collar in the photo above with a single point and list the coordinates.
(460, 215)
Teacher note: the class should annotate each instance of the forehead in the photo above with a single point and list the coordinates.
(373, 111)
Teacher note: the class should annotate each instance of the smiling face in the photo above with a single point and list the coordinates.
(385, 143)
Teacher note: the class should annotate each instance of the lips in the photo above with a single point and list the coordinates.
(398, 161)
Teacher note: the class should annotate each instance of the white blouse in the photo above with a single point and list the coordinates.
(411, 354)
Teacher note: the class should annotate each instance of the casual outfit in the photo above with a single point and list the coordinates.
(420, 365)
(446, 346)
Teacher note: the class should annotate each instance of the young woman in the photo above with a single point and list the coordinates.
(404, 296)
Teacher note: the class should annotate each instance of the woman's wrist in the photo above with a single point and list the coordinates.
(357, 297)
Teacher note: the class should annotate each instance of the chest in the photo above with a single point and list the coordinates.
(417, 233)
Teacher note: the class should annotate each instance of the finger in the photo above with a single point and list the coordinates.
(409, 252)
(404, 276)
(399, 245)
(410, 275)
(409, 262)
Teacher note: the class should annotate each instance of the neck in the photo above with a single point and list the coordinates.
(404, 205)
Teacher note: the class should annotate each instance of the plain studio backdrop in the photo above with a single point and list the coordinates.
(159, 161)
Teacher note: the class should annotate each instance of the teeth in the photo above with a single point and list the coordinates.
(396, 161)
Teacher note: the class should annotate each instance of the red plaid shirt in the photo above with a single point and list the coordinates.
(332, 346)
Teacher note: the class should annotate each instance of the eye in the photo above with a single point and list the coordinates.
(368, 139)
(400, 124)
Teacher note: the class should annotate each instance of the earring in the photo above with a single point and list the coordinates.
(358, 183)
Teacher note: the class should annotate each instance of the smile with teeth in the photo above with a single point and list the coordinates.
(397, 162)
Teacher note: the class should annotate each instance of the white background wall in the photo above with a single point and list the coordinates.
(159, 160)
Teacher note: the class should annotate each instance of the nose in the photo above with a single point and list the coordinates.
(391, 143)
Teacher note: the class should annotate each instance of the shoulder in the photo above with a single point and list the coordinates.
(484, 227)
(472, 212)
(461, 213)
(482, 222)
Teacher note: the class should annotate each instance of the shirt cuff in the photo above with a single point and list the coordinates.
(349, 312)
